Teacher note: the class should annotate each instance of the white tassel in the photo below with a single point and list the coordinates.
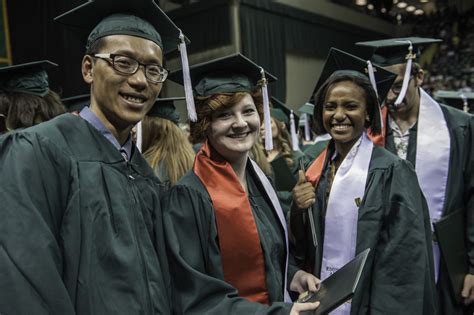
(266, 113)
(139, 136)
(465, 104)
(370, 70)
(406, 78)
(294, 136)
(188, 90)
(307, 130)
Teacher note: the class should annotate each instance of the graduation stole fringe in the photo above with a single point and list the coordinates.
(241, 250)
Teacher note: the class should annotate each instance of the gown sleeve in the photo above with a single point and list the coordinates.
(469, 193)
(37, 188)
(195, 264)
(402, 275)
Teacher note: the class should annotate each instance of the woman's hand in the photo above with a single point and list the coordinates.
(301, 307)
(303, 281)
(303, 193)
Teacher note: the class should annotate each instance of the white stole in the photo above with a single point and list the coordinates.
(340, 232)
(276, 205)
(432, 160)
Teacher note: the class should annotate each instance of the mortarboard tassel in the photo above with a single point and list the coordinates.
(307, 131)
(294, 136)
(266, 113)
(188, 90)
(370, 70)
(465, 104)
(406, 78)
(139, 136)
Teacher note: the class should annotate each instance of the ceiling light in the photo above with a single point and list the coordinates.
(361, 2)
(419, 12)
(395, 1)
(370, 6)
(424, 1)
(383, 10)
(410, 8)
(402, 5)
(399, 17)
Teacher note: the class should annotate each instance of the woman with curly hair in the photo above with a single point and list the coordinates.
(25, 97)
(227, 236)
(165, 145)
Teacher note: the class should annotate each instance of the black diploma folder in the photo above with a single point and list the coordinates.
(338, 287)
(450, 233)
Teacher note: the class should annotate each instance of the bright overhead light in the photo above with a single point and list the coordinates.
(419, 12)
(399, 17)
(410, 8)
(424, 1)
(361, 2)
(370, 6)
(402, 5)
(383, 10)
(395, 1)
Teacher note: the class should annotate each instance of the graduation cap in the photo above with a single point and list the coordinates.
(29, 78)
(394, 51)
(307, 111)
(230, 74)
(165, 108)
(76, 103)
(388, 52)
(140, 18)
(339, 61)
(307, 108)
(460, 100)
(284, 114)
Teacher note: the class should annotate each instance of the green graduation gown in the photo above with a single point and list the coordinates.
(459, 190)
(314, 150)
(194, 254)
(392, 221)
(80, 228)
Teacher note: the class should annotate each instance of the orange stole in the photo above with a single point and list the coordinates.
(313, 174)
(241, 251)
(379, 140)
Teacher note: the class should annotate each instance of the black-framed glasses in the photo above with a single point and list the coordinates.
(127, 65)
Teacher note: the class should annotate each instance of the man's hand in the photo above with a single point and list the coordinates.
(303, 281)
(301, 307)
(468, 289)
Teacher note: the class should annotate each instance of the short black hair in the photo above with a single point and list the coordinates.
(96, 46)
(360, 80)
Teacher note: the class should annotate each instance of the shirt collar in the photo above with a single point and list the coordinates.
(92, 119)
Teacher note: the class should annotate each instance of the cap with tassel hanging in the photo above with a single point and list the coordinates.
(266, 113)
(294, 135)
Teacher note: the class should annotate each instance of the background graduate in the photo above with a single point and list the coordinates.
(165, 146)
(80, 220)
(25, 97)
(225, 229)
(362, 196)
(438, 140)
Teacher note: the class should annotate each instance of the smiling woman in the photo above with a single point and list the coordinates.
(225, 227)
(361, 196)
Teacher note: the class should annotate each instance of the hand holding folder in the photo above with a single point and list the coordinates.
(339, 287)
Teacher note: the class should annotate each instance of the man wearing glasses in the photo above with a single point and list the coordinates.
(80, 219)
(439, 141)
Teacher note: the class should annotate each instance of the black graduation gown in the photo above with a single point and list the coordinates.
(80, 228)
(285, 196)
(392, 221)
(194, 254)
(459, 190)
